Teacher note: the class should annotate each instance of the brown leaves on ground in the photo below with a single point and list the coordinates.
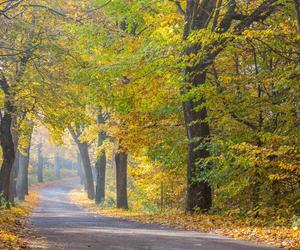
(239, 229)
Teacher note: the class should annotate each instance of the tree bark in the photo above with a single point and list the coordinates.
(197, 128)
(101, 165)
(40, 170)
(84, 153)
(121, 178)
(7, 144)
(83, 148)
(198, 191)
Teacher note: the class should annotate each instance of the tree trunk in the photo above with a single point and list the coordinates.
(40, 175)
(83, 148)
(15, 168)
(121, 179)
(8, 149)
(100, 185)
(22, 181)
(100, 165)
(198, 190)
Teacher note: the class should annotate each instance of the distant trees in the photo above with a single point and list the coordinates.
(221, 99)
(22, 178)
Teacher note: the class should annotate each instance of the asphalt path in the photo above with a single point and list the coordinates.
(64, 226)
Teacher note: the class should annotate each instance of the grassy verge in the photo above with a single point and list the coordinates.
(239, 229)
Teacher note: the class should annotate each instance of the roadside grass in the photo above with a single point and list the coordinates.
(240, 229)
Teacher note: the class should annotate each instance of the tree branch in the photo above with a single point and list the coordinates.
(179, 7)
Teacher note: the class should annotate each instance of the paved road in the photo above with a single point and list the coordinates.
(66, 226)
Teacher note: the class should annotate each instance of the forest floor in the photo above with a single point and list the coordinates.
(66, 225)
(277, 236)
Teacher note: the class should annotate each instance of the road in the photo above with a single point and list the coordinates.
(66, 226)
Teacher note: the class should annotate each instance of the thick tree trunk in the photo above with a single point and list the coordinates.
(101, 165)
(198, 190)
(83, 148)
(121, 179)
(8, 155)
(40, 170)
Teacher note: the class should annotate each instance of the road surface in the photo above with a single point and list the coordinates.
(65, 226)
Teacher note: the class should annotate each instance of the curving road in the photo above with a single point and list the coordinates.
(63, 225)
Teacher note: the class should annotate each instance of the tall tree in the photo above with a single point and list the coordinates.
(6, 140)
(205, 16)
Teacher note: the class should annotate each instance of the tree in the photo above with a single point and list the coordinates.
(200, 16)
(84, 153)
(121, 178)
(101, 162)
(24, 47)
